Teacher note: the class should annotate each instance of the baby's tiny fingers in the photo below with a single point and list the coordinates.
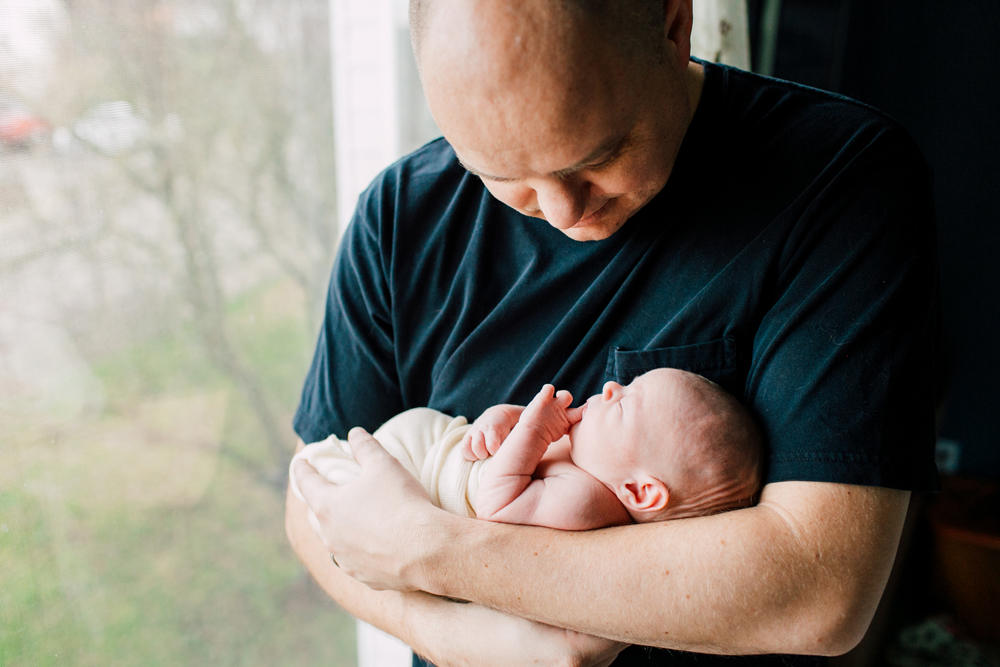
(564, 398)
(574, 414)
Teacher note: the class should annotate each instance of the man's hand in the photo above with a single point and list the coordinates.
(488, 638)
(446, 632)
(487, 433)
(372, 524)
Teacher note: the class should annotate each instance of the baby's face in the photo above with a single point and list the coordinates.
(607, 441)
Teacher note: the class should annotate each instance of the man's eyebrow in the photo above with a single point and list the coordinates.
(476, 172)
(607, 149)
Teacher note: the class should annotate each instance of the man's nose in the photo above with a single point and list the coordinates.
(610, 389)
(562, 201)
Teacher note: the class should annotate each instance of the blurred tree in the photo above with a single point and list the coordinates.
(213, 121)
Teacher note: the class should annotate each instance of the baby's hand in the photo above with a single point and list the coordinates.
(487, 433)
(549, 414)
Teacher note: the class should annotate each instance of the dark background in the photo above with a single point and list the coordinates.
(933, 66)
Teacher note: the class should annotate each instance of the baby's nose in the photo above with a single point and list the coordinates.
(609, 390)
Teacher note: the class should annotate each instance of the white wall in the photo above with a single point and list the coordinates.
(379, 110)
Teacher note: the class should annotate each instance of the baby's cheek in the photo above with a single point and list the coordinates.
(581, 450)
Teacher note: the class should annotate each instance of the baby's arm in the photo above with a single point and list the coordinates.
(564, 497)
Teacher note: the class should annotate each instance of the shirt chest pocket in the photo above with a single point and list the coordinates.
(716, 360)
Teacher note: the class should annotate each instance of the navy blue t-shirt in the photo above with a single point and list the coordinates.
(790, 258)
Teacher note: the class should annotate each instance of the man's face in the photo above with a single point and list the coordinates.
(560, 127)
(622, 165)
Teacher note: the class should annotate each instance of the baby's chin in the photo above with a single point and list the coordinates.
(573, 430)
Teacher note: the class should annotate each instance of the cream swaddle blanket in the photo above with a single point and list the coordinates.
(426, 442)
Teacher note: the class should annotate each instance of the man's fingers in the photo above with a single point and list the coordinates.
(311, 483)
(314, 523)
(365, 448)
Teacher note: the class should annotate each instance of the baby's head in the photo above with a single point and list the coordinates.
(670, 445)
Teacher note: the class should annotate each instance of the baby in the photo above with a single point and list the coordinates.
(669, 445)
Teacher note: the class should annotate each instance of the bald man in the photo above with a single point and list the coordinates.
(602, 205)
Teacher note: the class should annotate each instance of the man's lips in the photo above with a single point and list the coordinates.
(594, 216)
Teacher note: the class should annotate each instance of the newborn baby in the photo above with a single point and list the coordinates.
(669, 445)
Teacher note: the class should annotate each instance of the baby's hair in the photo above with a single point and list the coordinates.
(716, 453)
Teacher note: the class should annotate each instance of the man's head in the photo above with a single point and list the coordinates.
(570, 111)
(670, 445)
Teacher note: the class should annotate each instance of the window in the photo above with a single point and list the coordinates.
(167, 226)
(173, 176)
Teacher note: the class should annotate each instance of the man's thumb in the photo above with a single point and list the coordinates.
(365, 448)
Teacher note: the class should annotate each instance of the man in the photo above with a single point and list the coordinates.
(777, 240)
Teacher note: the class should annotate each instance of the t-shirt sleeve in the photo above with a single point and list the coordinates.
(353, 379)
(843, 376)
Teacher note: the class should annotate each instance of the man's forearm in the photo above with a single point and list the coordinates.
(788, 576)
(800, 573)
(384, 609)
(390, 611)
(446, 632)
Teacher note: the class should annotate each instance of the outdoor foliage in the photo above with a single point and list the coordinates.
(164, 249)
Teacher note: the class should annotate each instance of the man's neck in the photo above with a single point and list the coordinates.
(695, 84)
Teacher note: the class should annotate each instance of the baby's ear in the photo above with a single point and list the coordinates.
(646, 495)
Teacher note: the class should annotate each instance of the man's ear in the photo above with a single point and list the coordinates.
(679, 17)
(646, 495)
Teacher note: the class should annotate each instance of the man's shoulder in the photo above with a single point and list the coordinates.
(754, 97)
(433, 158)
(783, 146)
(417, 190)
(432, 166)
(789, 120)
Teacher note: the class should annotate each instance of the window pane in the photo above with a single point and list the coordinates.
(167, 226)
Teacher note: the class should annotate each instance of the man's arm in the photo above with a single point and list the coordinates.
(800, 573)
(446, 632)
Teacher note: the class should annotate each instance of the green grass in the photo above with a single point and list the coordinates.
(94, 575)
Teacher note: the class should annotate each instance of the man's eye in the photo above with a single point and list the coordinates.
(602, 164)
